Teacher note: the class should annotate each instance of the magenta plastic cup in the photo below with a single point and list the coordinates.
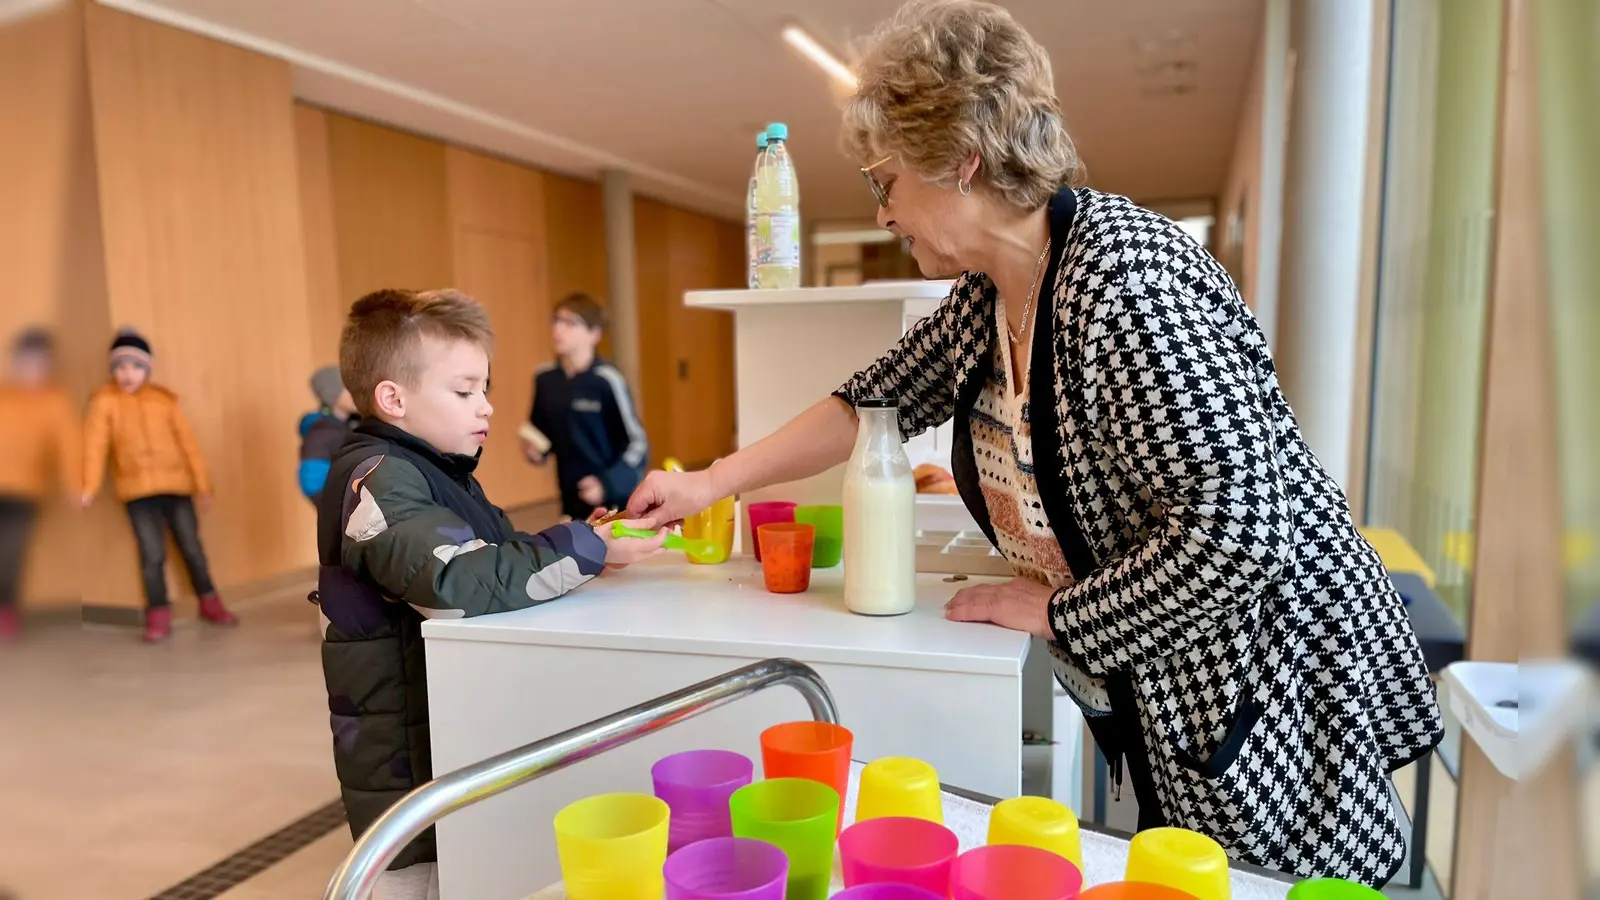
(727, 868)
(696, 785)
(887, 891)
(1014, 872)
(899, 851)
(766, 513)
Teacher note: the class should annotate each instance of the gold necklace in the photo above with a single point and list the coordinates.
(1027, 305)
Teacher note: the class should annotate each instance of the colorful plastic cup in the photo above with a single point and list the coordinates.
(815, 750)
(766, 513)
(899, 851)
(827, 546)
(1182, 859)
(785, 556)
(613, 847)
(696, 785)
(1013, 872)
(1133, 890)
(1037, 822)
(1332, 889)
(716, 526)
(727, 868)
(900, 786)
(883, 891)
(798, 816)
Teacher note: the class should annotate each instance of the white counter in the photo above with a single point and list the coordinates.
(914, 685)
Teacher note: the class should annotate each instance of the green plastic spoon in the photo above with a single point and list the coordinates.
(702, 551)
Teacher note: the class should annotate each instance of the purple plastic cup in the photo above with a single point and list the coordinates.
(727, 868)
(885, 891)
(696, 785)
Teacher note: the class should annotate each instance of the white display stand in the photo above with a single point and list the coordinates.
(913, 685)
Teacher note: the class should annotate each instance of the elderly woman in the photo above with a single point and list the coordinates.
(1235, 645)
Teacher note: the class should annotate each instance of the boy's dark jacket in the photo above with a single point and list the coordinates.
(405, 532)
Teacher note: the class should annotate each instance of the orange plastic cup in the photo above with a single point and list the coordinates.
(786, 556)
(815, 750)
(1134, 890)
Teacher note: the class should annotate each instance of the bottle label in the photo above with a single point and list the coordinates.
(783, 239)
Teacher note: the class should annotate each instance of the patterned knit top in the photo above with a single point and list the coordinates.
(1002, 441)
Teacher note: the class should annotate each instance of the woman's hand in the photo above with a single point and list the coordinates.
(625, 551)
(1020, 604)
(666, 498)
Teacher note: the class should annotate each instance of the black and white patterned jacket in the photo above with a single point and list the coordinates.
(1250, 639)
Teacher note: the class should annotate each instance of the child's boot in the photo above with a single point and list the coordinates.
(10, 624)
(212, 610)
(157, 624)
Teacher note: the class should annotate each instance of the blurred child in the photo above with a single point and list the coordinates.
(323, 431)
(40, 447)
(405, 532)
(158, 472)
(582, 406)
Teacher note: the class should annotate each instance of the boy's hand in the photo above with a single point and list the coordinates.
(203, 503)
(86, 500)
(622, 552)
(533, 455)
(591, 491)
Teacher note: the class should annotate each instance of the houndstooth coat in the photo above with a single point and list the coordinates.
(1249, 638)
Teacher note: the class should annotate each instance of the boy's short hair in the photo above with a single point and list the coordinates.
(33, 341)
(585, 307)
(382, 339)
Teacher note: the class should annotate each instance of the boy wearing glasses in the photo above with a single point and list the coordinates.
(583, 411)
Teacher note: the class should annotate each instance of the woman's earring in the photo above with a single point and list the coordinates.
(965, 187)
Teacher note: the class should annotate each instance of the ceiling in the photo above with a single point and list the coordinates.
(674, 90)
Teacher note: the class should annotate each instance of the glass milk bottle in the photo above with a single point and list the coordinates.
(880, 495)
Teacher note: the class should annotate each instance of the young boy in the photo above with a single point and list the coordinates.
(159, 473)
(404, 532)
(322, 432)
(40, 447)
(582, 406)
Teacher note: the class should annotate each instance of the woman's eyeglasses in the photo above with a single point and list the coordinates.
(879, 192)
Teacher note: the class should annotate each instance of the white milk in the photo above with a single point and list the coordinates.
(880, 504)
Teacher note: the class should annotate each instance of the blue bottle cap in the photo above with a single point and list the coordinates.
(761, 140)
(777, 131)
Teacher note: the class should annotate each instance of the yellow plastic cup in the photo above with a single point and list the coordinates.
(1037, 822)
(716, 525)
(900, 787)
(612, 847)
(1182, 859)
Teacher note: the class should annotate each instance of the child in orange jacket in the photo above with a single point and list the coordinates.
(40, 448)
(158, 472)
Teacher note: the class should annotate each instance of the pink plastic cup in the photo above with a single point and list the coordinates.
(696, 786)
(899, 851)
(766, 513)
(727, 869)
(887, 891)
(1014, 872)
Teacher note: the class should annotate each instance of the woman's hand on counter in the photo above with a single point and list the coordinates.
(666, 498)
(1019, 604)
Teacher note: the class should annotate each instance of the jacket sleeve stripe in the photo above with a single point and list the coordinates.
(638, 445)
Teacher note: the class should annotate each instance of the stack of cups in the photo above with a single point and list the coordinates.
(697, 785)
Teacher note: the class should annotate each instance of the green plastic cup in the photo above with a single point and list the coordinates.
(1332, 889)
(827, 546)
(798, 816)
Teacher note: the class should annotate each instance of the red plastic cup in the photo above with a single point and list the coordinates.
(899, 851)
(815, 750)
(766, 513)
(885, 891)
(786, 556)
(727, 868)
(696, 786)
(1134, 890)
(1014, 872)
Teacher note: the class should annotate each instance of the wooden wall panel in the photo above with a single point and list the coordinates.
(652, 266)
(391, 209)
(201, 223)
(326, 302)
(575, 235)
(498, 217)
(50, 246)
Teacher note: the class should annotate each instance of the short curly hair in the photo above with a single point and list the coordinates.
(946, 78)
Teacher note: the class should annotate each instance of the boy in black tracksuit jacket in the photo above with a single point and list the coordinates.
(582, 405)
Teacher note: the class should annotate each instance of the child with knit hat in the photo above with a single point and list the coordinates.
(158, 471)
(322, 432)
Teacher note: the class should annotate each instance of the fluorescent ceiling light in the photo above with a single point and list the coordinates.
(827, 62)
